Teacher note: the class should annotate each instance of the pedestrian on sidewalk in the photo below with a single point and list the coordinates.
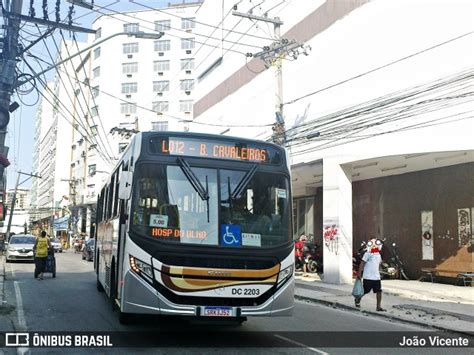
(369, 271)
(40, 249)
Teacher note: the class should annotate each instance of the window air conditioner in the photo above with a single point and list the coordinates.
(129, 75)
(188, 92)
(188, 51)
(188, 71)
(161, 54)
(130, 56)
(128, 96)
(160, 94)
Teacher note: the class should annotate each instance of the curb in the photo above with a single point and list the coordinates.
(377, 314)
(2, 278)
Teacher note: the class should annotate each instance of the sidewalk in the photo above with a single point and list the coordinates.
(445, 307)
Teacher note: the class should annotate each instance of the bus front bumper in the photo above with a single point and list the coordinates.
(140, 297)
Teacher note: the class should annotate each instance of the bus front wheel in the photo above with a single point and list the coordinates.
(125, 318)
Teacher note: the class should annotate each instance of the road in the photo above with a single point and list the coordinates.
(70, 302)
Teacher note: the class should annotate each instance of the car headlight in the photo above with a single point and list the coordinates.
(284, 275)
(141, 268)
(11, 249)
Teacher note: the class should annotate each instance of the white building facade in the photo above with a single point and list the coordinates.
(118, 84)
(376, 90)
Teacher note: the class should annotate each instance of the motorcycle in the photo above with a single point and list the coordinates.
(397, 263)
(312, 256)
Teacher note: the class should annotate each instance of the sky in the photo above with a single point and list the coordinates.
(20, 135)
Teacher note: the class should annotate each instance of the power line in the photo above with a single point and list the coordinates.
(201, 23)
(59, 104)
(169, 34)
(104, 152)
(378, 68)
(93, 99)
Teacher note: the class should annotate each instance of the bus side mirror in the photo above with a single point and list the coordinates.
(125, 185)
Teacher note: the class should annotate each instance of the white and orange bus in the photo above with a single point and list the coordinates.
(197, 225)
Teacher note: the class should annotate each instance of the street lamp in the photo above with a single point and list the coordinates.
(139, 34)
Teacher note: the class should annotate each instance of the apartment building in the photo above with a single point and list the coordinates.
(126, 78)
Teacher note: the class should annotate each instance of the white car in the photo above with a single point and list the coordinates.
(20, 247)
(57, 246)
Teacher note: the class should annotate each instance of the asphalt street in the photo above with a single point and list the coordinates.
(70, 302)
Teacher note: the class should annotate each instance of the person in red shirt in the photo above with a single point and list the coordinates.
(299, 245)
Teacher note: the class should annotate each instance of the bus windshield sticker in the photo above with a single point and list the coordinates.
(281, 193)
(251, 240)
(158, 220)
(231, 235)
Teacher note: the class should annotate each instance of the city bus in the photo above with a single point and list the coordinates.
(197, 225)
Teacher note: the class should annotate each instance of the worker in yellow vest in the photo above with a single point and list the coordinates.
(41, 247)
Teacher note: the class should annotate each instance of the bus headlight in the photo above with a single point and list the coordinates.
(141, 267)
(284, 275)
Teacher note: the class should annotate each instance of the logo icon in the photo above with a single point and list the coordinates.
(231, 235)
(17, 339)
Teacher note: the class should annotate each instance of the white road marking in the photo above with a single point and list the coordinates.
(300, 344)
(12, 271)
(19, 308)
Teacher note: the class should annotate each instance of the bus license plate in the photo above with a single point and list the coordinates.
(217, 312)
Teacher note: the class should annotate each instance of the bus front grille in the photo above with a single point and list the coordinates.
(213, 301)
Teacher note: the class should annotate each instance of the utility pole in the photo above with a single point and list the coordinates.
(7, 74)
(273, 55)
(12, 208)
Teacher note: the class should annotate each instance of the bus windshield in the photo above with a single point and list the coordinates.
(208, 206)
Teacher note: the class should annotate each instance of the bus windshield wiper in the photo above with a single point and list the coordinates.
(193, 179)
(195, 183)
(243, 182)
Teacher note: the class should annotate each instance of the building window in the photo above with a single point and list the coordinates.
(303, 216)
(98, 33)
(185, 105)
(122, 147)
(97, 53)
(161, 65)
(187, 85)
(161, 86)
(162, 26)
(129, 68)
(159, 126)
(187, 23)
(95, 91)
(94, 111)
(160, 106)
(131, 27)
(92, 169)
(187, 64)
(128, 108)
(96, 72)
(129, 48)
(187, 43)
(161, 46)
(129, 88)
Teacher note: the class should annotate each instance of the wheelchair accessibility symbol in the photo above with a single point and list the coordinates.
(231, 235)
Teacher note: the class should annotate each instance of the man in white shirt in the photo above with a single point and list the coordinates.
(369, 270)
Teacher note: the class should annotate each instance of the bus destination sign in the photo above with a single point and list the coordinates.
(214, 149)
